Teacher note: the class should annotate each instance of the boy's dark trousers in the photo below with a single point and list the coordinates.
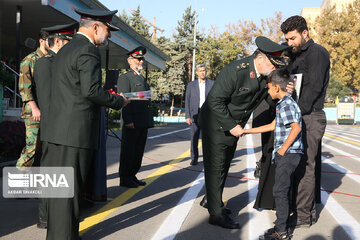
(284, 170)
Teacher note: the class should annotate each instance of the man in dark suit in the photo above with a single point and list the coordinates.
(137, 117)
(59, 35)
(237, 91)
(313, 62)
(74, 116)
(196, 93)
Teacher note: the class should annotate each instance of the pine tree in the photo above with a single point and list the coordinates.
(139, 25)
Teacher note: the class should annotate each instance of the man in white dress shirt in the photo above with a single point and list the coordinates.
(196, 93)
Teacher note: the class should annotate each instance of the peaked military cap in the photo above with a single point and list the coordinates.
(98, 15)
(65, 31)
(138, 52)
(275, 52)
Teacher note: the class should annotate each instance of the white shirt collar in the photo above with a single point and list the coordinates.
(257, 73)
(54, 50)
(81, 33)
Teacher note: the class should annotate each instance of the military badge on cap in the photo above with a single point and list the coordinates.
(275, 52)
(99, 15)
(138, 52)
(65, 31)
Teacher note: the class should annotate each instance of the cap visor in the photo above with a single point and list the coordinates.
(112, 27)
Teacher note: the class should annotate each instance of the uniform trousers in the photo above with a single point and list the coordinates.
(63, 215)
(217, 159)
(31, 153)
(43, 202)
(132, 150)
(195, 134)
(313, 130)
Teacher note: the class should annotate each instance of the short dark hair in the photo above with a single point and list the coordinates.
(280, 77)
(43, 35)
(200, 66)
(51, 39)
(296, 22)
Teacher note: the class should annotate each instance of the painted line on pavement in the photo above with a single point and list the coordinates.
(164, 134)
(343, 141)
(172, 224)
(112, 206)
(340, 151)
(340, 168)
(343, 132)
(258, 221)
(341, 216)
(342, 135)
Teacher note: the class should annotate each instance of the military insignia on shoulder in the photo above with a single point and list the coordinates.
(243, 66)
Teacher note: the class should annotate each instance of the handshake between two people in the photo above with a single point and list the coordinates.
(238, 131)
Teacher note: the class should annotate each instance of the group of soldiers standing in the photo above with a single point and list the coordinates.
(62, 97)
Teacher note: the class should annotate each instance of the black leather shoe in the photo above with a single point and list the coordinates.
(41, 224)
(194, 162)
(129, 183)
(141, 183)
(204, 204)
(224, 221)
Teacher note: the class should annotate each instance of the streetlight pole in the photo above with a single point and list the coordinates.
(194, 51)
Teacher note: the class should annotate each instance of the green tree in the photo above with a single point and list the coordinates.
(139, 25)
(124, 17)
(237, 41)
(270, 27)
(169, 82)
(336, 89)
(184, 41)
(339, 33)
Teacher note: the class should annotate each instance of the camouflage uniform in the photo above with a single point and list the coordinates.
(28, 93)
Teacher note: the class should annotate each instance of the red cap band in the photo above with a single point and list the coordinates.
(68, 32)
(278, 54)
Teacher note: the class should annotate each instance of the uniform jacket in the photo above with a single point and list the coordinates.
(314, 63)
(138, 112)
(77, 95)
(192, 97)
(235, 94)
(27, 87)
(42, 77)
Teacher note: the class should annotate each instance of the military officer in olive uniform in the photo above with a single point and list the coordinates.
(74, 116)
(59, 35)
(30, 111)
(137, 117)
(237, 91)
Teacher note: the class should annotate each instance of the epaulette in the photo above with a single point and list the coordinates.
(242, 66)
